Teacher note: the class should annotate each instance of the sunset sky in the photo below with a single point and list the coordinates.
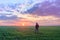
(28, 12)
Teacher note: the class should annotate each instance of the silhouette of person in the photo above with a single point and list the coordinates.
(36, 27)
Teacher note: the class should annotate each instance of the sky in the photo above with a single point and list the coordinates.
(28, 12)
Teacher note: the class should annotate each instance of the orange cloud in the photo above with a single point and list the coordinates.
(29, 19)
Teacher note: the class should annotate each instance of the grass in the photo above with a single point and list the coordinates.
(17, 33)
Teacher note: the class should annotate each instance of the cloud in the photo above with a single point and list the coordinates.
(46, 8)
(8, 17)
(29, 20)
(45, 12)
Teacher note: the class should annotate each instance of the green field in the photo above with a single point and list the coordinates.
(17, 33)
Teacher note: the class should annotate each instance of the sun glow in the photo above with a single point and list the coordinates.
(23, 24)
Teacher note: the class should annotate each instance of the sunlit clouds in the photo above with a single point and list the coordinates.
(28, 12)
(30, 20)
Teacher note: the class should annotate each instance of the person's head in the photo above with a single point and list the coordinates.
(36, 23)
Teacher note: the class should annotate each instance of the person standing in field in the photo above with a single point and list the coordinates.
(37, 27)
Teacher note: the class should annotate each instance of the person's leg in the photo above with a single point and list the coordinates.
(36, 30)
